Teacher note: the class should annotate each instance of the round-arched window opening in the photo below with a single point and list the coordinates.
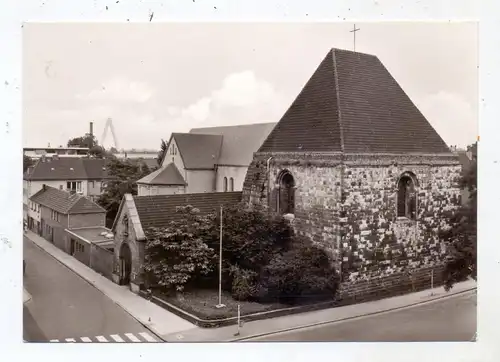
(286, 193)
(407, 198)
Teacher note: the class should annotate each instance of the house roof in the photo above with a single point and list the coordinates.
(168, 175)
(240, 142)
(352, 104)
(65, 202)
(198, 151)
(67, 168)
(160, 210)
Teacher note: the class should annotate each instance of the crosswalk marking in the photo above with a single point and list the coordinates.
(147, 337)
(117, 338)
(132, 337)
(123, 338)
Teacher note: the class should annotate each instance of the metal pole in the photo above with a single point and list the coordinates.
(220, 305)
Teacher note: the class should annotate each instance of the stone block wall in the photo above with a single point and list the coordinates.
(347, 204)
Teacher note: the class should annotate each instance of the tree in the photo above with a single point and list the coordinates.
(162, 152)
(27, 162)
(462, 237)
(176, 255)
(124, 175)
(88, 141)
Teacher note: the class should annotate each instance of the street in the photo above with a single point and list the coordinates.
(64, 306)
(452, 319)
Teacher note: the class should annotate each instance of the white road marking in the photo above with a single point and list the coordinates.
(117, 338)
(86, 339)
(147, 337)
(132, 337)
(70, 340)
(54, 340)
(101, 339)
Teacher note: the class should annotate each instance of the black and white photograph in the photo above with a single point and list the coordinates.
(249, 182)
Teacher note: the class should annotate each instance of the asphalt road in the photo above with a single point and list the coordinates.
(452, 319)
(64, 305)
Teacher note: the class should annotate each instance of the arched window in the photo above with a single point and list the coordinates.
(407, 196)
(231, 184)
(225, 184)
(284, 195)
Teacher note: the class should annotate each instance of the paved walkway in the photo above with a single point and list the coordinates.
(158, 320)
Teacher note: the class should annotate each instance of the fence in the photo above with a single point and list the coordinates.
(101, 260)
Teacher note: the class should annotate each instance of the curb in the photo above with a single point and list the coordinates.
(93, 284)
(352, 317)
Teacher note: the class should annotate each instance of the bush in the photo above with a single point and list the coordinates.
(303, 273)
(175, 255)
(244, 283)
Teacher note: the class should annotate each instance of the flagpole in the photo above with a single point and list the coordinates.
(220, 305)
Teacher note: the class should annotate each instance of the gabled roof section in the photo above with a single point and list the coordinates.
(352, 104)
(168, 175)
(65, 202)
(67, 168)
(239, 142)
(198, 151)
(160, 210)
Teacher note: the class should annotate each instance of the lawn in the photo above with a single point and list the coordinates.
(201, 303)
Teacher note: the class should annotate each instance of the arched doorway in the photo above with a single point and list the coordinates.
(125, 264)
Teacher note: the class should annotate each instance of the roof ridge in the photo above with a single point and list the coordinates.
(337, 94)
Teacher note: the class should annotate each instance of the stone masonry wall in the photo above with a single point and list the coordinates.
(348, 205)
(375, 243)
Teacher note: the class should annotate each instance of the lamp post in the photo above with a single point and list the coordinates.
(220, 305)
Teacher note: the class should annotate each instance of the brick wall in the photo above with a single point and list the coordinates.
(101, 260)
(84, 220)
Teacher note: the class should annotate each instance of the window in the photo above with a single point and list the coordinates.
(231, 184)
(407, 198)
(74, 186)
(284, 194)
(224, 185)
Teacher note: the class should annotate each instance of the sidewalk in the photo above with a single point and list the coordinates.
(158, 320)
(281, 324)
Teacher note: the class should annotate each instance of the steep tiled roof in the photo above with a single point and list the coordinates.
(238, 142)
(64, 202)
(198, 151)
(168, 175)
(353, 104)
(67, 168)
(159, 210)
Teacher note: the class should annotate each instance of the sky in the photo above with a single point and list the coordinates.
(153, 79)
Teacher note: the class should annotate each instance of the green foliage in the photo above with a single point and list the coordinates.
(27, 162)
(124, 175)
(88, 141)
(301, 273)
(175, 255)
(462, 236)
(244, 283)
(162, 152)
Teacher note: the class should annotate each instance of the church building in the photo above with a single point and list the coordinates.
(361, 172)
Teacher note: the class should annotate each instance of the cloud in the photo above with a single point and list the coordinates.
(451, 116)
(242, 98)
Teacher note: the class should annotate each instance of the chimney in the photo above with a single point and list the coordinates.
(44, 187)
(91, 128)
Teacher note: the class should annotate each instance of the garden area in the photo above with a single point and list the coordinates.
(265, 266)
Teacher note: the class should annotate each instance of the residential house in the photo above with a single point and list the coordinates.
(468, 159)
(359, 170)
(85, 176)
(137, 214)
(53, 212)
(213, 159)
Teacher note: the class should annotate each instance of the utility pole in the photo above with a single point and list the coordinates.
(220, 305)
